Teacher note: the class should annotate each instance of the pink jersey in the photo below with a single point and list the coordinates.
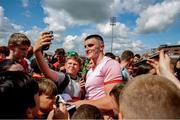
(107, 72)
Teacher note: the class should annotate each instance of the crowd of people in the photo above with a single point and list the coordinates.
(34, 85)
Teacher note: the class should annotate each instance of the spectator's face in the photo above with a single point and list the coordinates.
(72, 67)
(136, 59)
(46, 102)
(130, 62)
(60, 57)
(93, 48)
(20, 51)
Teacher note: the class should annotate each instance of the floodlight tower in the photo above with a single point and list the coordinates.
(112, 23)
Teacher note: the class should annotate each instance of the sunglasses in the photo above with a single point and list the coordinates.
(88, 45)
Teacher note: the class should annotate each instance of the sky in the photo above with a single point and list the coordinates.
(139, 24)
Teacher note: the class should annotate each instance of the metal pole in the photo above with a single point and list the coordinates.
(113, 23)
(112, 40)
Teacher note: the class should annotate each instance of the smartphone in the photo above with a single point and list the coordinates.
(46, 47)
(71, 109)
(57, 101)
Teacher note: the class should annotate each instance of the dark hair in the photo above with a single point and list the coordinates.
(60, 51)
(4, 50)
(142, 69)
(98, 37)
(127, 55)
(137, 55)
(17, 91)
(110, 54)
(87, 111)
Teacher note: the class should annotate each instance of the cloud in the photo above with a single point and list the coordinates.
(121, 40)
(119, 30)
(33, 33)
(64, 14)
(158, 17)
(25, 3)
(82, 10)
(6, 27)
(122, 44)
(134, 6)
(61, 14)
(75, 43)
(56, 20)
(178, 42)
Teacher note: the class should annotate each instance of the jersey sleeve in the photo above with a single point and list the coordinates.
(112, 72)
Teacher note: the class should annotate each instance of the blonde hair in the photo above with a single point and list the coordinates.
(76, 58)
(150, 97)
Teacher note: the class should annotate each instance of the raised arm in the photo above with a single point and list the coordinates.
(44, 39)
(163, 68)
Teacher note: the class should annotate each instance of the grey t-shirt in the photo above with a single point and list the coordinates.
(73, 87)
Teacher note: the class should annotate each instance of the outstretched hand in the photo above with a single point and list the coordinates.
(164, 63)
(44, 39)
(163, 68)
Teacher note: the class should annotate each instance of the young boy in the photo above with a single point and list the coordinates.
(47, 96)
(18, 45)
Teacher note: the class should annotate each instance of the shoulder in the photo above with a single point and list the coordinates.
(111, 63)
(60, 76)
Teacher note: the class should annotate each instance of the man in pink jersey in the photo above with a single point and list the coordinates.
(103, 75)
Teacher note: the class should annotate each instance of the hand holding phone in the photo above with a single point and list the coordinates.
(70, 108)
(46, 47)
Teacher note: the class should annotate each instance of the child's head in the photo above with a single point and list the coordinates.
(18, 93)
(19, 43)
(73, 63)
(60, 54)
(47, 93)
(87, 111)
